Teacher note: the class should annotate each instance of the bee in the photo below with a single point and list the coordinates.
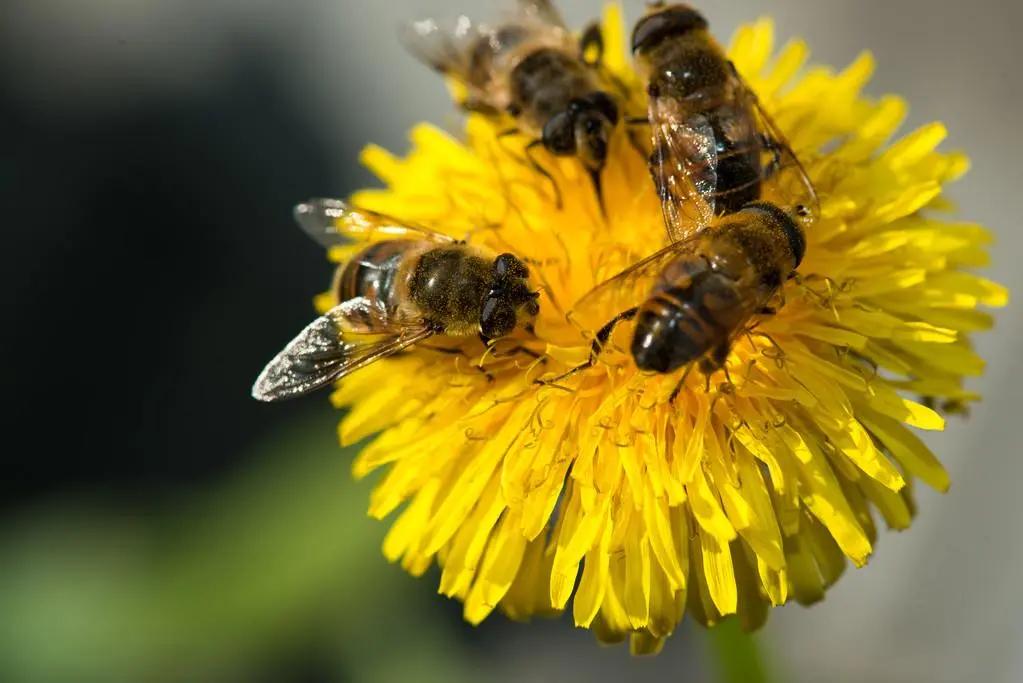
(735, 200)
(714, 146)
(396, 292)
(697, 295)
(532, 68)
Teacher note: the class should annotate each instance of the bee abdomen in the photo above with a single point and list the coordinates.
(681, 323)
(372, 273)
(738, 162)
(733, 180)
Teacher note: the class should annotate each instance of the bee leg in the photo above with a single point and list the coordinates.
(526, 352)
(681, 383)
(516, 350)
(491, 345)
(728, 376)
(591, 44)
(631, 123)
(773, 309)
(504, 134)
(443, 349)
(543, 171)
(717, 358)
(715, 361)
(458, 352)
(599, 191)
(508, 132)
(603, 335)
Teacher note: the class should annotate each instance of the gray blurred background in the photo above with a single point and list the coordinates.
(159, 525)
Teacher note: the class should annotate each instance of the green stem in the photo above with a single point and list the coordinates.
(736, 655)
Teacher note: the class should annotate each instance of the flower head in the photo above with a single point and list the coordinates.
(749, 488)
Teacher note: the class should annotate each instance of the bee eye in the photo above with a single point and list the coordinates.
(497, 318)
(592, 132)
(558, 134)
(508, 265)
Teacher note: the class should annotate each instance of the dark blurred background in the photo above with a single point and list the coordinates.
(158, 524)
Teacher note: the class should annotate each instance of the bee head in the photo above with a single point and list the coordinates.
(509, 293)
(583, 129)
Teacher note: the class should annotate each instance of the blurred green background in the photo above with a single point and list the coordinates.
(159, 525)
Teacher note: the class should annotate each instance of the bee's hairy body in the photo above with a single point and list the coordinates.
(533, 69)
(708, 294)
(444, 285)
(680, 61)
(544, 83)
(535, 76)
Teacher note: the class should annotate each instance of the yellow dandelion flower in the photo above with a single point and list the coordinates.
(736, 496)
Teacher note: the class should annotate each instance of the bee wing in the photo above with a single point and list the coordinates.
(475, 54)
(783, 172)
(332, 222)
(444, 46)
(684, 167)
(627, 289)
(328, 349)
(542, 10)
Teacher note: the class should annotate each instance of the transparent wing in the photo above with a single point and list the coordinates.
(543, 11)
(786, 181)
(332, 222)
(331, 347)
(683, 166)
(445, 46)
(479, 56)
(627, 289)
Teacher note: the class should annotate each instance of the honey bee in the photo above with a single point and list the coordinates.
(735, 200)
(531, 67)
(701, 292)
(398, 291)
(714, 146)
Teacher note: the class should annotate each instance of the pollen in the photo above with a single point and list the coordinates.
(608, 494)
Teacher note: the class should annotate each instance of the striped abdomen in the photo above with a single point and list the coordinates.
(738, 157)
(684, 321)
(375, 272)
(709, 293)
(682, 63)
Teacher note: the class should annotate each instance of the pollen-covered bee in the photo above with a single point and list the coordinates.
(714, 147)
(692, 298)
(531, 67)
(408, 284)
